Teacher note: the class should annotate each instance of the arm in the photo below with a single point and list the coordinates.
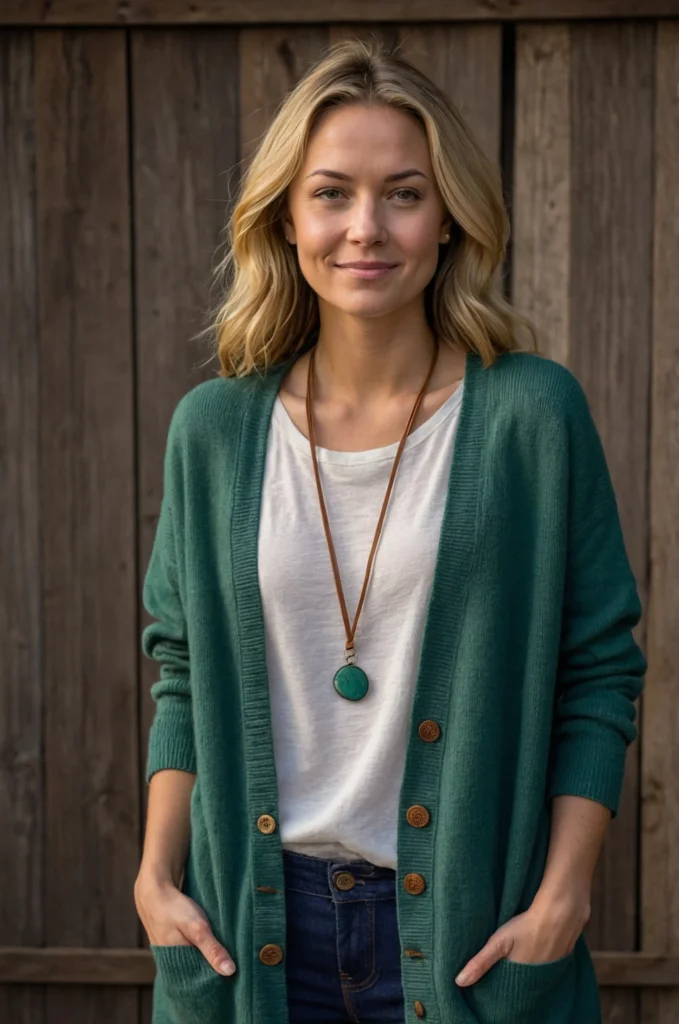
(166, 839)
(601, 668)
(577, 834)
(171, 743)
(600, 675)
(169, 916)
(171, 762)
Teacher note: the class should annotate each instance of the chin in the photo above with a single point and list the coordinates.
(365, 303)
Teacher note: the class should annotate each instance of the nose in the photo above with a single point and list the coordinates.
(366, 224)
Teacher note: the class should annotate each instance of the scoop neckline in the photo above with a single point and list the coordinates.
(283, 421)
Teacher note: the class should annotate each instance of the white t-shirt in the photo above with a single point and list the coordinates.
(340, 763)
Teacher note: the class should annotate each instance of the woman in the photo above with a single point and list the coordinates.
(392, 603)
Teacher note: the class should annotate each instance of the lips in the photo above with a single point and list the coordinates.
(367, 266)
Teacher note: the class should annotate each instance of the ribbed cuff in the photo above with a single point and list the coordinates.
(585, 768)
(171, 742)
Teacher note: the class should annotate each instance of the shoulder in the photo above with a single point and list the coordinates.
(217, 406)
(539, 386)
(533, 375)
(212, 398)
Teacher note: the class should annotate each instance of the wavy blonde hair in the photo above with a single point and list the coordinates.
(270, 311)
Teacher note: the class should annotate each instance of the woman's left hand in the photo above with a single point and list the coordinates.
(546, 931)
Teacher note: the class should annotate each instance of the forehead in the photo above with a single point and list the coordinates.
(353, 134)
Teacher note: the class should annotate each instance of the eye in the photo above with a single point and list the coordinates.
(325, 190)
(413, 193)
(410, 194)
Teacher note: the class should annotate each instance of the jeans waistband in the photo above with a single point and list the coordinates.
(319, 877)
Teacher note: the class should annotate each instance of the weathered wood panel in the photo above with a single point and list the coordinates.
(90, 764)
(21, 705)
(192, 12)
(660, 741)
(272, 61)
(185, 165)
(465, 61)
(541, 221)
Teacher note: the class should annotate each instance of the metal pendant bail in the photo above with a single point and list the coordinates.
(350, 655)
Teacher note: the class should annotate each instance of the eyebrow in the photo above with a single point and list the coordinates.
(410, 173)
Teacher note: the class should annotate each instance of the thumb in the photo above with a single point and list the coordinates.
(216, 955)
(495, 949)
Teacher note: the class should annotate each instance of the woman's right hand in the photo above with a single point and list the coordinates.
(173, 919)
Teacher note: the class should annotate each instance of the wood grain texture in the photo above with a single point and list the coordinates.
(272, 61)
(660, 740)
(541, 208)
(21, 698)
(192, 12)
(185, 169)
(88, 532)
(610, 352)
(465, 62)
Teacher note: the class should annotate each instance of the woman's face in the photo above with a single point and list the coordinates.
(366, 192)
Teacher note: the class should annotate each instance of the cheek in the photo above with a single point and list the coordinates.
(317, 234)
(418, 237)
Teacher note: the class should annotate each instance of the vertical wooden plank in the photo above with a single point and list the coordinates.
(660, 746)
(272, 61)
(612, 217)
(21, 792)
(465, 62)
(541, 220)
(386, 31)
(185, 160)
(91, 765)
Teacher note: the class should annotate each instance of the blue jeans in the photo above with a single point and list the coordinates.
(343, 955)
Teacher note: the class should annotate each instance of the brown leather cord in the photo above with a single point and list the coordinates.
(349, 629)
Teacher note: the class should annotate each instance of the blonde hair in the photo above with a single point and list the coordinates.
(270, 311)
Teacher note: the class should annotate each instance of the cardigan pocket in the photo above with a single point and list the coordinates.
(512, 991)
(192, 989)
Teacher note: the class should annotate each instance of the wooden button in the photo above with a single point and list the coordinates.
(344, 880)
(266, 824)
(271, 954)
(419, 1008)
(429, 731)
(417, 816)
(414, 884)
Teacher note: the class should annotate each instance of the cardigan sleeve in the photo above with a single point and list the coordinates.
(601, 667)
(171, 740)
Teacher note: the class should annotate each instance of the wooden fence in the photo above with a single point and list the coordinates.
(125, 126)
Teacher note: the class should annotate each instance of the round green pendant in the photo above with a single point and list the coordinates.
(351, 682)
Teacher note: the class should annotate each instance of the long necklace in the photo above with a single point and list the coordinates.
(350, 681)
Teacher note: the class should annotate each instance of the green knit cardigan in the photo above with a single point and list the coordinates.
(528, 666)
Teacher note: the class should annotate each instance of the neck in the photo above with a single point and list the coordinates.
(363, 361)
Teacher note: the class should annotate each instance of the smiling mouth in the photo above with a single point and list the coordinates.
(367, 272)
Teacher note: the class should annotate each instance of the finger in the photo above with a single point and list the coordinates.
(482, 962)
(216, 955)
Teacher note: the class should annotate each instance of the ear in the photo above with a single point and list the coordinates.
(289, 228)
(447, 231)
